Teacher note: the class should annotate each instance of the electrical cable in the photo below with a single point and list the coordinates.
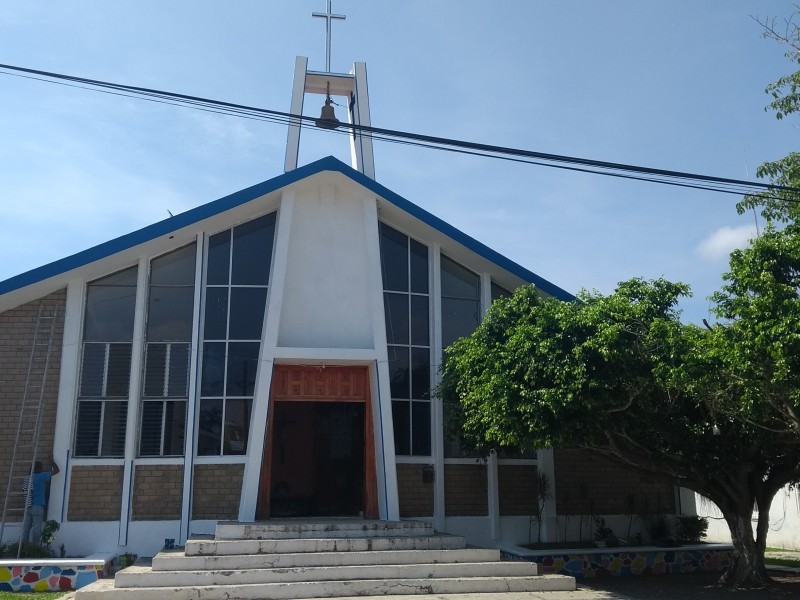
(583, 165)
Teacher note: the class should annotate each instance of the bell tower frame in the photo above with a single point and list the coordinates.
(352, 86)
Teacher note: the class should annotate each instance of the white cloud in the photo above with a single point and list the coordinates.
(725, 240)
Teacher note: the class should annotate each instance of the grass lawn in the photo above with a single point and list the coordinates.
(783, 562)
(30, 595)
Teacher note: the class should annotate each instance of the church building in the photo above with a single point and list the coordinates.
(271, 354)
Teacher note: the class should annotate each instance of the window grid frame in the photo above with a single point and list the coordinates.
(227, 341)
(408, 293)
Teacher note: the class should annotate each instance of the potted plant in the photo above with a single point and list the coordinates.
(126, 560)
(603, 535)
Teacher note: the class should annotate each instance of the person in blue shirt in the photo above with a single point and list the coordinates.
(34, 514)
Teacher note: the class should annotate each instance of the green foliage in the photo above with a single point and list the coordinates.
(691, 529)
(49, 530)
(29, 550)
(759, 345)
(603, 533)
(659, 530)
(543, 494)
(781, 204)
(622, 376)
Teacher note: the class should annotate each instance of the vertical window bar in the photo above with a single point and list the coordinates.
(163, 426)
(107, 352)
(100, 433)
(165, 383)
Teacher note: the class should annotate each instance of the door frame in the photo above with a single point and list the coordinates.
(297, 383)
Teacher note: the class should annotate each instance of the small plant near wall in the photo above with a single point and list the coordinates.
(543, 494)
(691, 529)
(603, 535)
(49, 530)
(659, 530)
(126, 560)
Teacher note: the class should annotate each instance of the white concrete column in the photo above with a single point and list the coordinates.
(491, 463)
(435, 283)
(296, 108)
(66, 408)
(385, 460)
(361, 144)
(248, 503)
(134, 393)
(193, 396)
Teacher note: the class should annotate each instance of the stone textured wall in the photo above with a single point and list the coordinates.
(17, 329)
(157, 493)
(465, 490)
(517, 489)
(217, 489)
(416, 497)
(95, 493)
(589, 484)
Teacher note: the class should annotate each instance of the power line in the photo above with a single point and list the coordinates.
(559, 161)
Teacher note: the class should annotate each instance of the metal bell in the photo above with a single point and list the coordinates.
(327, 120)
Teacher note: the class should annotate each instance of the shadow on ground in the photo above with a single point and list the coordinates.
(699, 586)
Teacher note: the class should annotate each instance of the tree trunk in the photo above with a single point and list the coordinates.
(747, 568)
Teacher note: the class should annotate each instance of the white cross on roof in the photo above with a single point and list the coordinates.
(328, 16)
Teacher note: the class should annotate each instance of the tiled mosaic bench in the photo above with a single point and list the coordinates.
(52, 574)
(586, 563)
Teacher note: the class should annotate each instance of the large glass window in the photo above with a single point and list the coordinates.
(404, 266)
(461, 315)
(461, 301)
(162, 423)
(237, 275)
(106, 365)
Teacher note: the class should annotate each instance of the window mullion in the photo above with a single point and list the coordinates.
(102, 427)
(106, 357)
(163, 426)
(167, 356)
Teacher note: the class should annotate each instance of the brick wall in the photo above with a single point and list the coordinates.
(217, 489)
(517, 489)
(95, 493)
(589, 484)
(465, 491)
(157, 493)
(17, 328)
(416, 497)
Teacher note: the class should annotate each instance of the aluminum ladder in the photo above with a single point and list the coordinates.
(30, 420)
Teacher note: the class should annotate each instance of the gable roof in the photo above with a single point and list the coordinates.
(216, 207)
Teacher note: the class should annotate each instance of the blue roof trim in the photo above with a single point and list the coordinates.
(241, 197)
(456, 234)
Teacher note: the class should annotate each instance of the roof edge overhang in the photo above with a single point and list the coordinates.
(62, 267)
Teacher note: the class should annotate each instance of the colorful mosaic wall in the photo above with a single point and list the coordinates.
(47, 578)
(587, 564)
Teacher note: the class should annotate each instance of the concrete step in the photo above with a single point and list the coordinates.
(220, 547)
(329, 528)
(142, 576)
(178, 561)
(104, 589)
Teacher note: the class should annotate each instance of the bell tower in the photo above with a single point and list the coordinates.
(352, 86)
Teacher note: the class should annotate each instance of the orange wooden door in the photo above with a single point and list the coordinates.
(292, 383)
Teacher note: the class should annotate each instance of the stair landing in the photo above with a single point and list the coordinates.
(293, 560)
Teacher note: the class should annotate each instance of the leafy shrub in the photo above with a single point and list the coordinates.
(29, 550)
(659, 530)
(691, 529)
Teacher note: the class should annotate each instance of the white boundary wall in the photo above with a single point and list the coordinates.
(784, 519)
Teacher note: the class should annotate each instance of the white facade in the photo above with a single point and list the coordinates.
(324, 306)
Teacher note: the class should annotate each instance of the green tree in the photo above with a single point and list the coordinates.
(622, 376)
(781, 204)
(759, 336)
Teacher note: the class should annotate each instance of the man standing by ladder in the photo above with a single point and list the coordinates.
(34, 513)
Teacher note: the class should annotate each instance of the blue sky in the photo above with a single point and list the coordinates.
(675, 85)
